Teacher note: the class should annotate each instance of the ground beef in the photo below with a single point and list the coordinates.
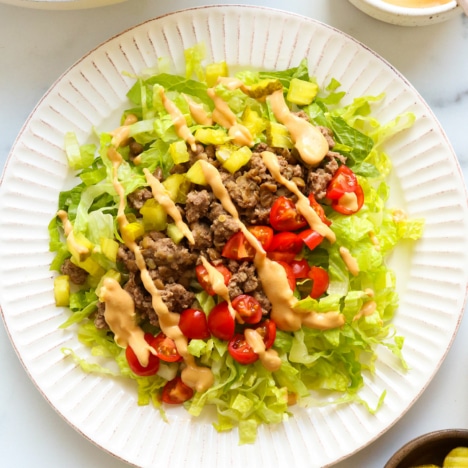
(142, 299)
(99, 319)
(77, 275)
(197, 205)
(137, 199)
(318, 179)
(243, 191)
(169, 259)
(202, 235)
(328, 134)
(223, 224)
(243, 280)
(176, 297)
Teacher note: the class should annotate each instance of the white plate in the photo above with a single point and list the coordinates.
(432, 276)
(61, 4)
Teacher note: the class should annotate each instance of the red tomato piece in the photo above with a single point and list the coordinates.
(300, 268)
(285, 257)
(165, 348)
(318, 208)
(311, 238)
(343, 181)
(289, 274)
(238, 248)
(286, 242)
(153, 361)
(284, 215)
(248, 308)
(194, 325)
(204, 278)
(346, 210)
(176, 392)
(264, 234)
(241, 351)
(320, 280)
(267, 330)
(220, 322)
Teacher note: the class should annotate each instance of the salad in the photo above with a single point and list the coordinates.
(226, 244)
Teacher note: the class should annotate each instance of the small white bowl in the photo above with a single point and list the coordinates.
(407, 16)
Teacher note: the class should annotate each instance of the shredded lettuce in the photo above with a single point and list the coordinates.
(331, 362)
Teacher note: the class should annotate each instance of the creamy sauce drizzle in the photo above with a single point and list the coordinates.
(268, 357)
(303, 205)
(162, 196)
(82, 251)
(350, 262)
(349, 201)
(198, 113)
(120, 316)
(272, 275)
(307, 138)
(375, 240)
(121, 135)
(367, 309)
(224, 116)
(198, 378)
(417, 3)
(178, 120)
(216, 280)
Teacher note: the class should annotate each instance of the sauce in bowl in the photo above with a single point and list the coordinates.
(417, 3)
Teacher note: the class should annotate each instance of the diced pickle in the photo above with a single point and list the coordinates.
(133, 231)
(264, 88)
(178, 186)
(301, 92)
(174, 233)
(109, 248)
(62, 290)
(278, 136)
(213, 71)
(233, 158)
(179, 152)
(253, 122)
(154, 216)
(211, 136)
(195, 174)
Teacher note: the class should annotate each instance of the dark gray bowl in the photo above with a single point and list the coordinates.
(429, 448)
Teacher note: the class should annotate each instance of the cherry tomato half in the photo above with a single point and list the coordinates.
(284, 215)
(267, 330)
(318, 208)
(338, 205)
(220, 321)
(241, 351)
(194, 325)
(343, 181)
(176, 392)
(204, 278)
(165, 348)
(289, 274)
(248, 308)
(300, 268)
(153, 361)
(320, 280)
(238, 248)
(286, 242)
(264, 234)
(311, 238)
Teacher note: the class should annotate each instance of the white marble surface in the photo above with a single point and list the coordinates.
(37, 46)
